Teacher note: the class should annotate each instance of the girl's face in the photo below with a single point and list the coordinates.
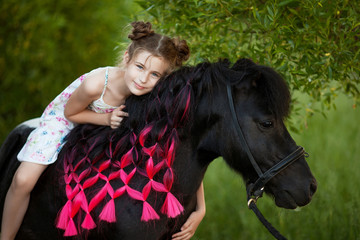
(143, 72)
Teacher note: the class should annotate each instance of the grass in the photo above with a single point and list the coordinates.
(334, 213)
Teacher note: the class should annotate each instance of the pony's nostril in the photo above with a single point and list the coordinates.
(313, 187)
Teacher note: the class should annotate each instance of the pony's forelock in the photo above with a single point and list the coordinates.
(270, 86)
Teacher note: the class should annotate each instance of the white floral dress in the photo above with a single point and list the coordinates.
(45, 142)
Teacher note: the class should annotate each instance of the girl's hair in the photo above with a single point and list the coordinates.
(143, 38)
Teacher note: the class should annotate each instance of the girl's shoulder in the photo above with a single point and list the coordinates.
(94, 81)
(96, 73)
(101, 72)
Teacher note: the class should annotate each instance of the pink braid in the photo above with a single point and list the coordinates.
(150, 155)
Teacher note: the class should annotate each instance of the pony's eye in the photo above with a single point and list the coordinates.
(267, 124)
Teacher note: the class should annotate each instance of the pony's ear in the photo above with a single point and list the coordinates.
(245, 68)
(250, 80)
(256, 79)
(242, 64)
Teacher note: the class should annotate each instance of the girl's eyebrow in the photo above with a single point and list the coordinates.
(140, 63)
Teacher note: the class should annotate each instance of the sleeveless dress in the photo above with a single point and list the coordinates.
(45, 142)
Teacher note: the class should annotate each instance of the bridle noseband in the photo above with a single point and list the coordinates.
(256, 189)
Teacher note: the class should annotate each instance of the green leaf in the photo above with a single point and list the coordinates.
(330, 72)
(284, 3)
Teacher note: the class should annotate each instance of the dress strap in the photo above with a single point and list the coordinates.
(106, 81)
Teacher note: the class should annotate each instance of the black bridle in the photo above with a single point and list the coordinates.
(256, 189)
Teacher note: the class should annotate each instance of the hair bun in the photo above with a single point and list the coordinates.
(140, 30)
(183, 50)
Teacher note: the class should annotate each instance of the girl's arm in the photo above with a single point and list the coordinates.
(191, 224)
(76, 107)
(201, 199)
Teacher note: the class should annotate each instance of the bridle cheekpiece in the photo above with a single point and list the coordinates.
(255, 190)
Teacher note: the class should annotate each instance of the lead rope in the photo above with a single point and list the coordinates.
(252, 199)
(269, 227)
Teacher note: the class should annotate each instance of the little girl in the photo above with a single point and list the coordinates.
(95, 98)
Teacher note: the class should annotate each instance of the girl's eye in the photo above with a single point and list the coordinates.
(156, 75)
(139, 66)
(267, 124)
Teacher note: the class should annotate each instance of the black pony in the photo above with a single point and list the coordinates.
(139, 181)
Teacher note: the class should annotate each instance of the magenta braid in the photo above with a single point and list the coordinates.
(150, 154)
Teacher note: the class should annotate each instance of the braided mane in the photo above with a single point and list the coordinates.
(100, 164)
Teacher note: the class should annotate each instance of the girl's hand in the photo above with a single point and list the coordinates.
(190, 226)
(117, 116)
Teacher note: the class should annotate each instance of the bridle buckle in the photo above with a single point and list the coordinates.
(254, 197)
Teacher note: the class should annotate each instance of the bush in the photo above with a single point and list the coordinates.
(314, 44)
(45, 45)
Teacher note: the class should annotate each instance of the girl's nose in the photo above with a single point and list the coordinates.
(142, 78)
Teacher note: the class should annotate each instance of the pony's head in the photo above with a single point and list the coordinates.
(261, 100)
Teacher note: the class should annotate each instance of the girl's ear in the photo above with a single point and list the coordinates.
(126, 57)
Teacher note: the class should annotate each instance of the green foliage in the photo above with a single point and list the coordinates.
(314, 44)
(46, 44)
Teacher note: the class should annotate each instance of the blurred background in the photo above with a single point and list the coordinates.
(45, 45)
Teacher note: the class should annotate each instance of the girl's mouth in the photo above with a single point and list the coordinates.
(138, 86)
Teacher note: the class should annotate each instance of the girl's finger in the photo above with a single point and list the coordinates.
(177, 235)
(186, 225)
(183, 237)
(123, 114)
(116, 123)
(182, 234)
(116, 119)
